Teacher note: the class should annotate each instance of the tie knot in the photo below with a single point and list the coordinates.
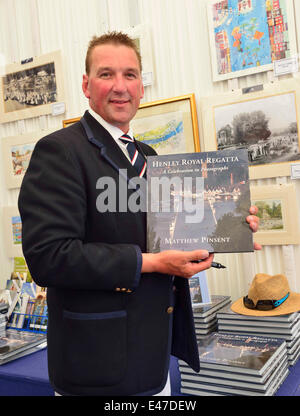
(126, 139)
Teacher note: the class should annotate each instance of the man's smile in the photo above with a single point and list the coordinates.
(119, 102)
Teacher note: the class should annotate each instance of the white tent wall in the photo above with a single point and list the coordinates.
(181, 58)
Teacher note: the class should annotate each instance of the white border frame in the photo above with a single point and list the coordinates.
(209, 134)
(257, 69)
(287, 195)
(13, 181)
(40, 109)
(142, 33)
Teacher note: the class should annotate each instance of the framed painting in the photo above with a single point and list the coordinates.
(12, 227)
(141, 36)
(17, 151)
(248, 36)
(265, 122)
(31, 89)
(277, 205)
(169, 126)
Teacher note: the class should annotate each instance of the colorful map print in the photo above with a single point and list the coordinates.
(249, 33)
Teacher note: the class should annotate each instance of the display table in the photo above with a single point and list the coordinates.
(28, 376)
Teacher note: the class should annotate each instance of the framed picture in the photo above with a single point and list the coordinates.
(70, 121)
(169, 126)
(17, 151)
(30, 89)
(12, 227)
(265, 122)
(278, 213)
(247, 36)
(199, 289)
(141, 36)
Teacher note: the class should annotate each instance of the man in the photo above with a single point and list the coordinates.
(110, 303)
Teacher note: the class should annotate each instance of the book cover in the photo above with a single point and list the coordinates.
(17, 341)
(23, 353)
(20, 266)
(199, 289)
(39, 315)
(240, 353)
(229, 375)
(288, 338)
(199, 201)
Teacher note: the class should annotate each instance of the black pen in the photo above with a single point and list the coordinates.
(213, 264)
(217, 265)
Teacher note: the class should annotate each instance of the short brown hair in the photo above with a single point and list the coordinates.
(115, 38)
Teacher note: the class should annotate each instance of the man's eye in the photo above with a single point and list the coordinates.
(131, 75)
(105, 75)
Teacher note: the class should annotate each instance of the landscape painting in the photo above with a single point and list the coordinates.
(277, 204)
(270, 214)
(17, 151)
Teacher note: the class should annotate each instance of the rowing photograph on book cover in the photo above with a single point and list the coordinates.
(199, 201)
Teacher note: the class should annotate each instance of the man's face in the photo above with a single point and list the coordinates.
(114, 85)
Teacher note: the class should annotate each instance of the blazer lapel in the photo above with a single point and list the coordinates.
(110, 150)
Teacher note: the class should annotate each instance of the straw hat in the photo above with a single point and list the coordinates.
(274, 291)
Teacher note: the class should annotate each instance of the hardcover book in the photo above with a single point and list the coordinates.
(199, 201)
(255, 329)
(19, 343)
(226, 380)
(239, 353)
(286, 327)
(252, 379)
(204, 389)
(228, 313)
(217, 302)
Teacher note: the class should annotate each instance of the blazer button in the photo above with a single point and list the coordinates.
(123, 289)
(117, 289)
(170, 309)
(128, 291)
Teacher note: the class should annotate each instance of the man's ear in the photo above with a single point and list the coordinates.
(85, 85)
(142, 91)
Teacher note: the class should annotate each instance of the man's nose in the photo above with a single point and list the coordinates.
(119, 84)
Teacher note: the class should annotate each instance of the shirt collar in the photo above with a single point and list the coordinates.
(114, 131)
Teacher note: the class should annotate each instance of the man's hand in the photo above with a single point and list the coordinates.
(175, 262)
(253, 221)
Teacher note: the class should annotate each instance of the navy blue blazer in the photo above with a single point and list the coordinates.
(111, 329)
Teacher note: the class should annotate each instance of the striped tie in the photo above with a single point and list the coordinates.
(137, 160)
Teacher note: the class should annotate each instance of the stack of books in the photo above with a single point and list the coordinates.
(16, 344)
(236, 365)
(205, 315)
(286, 327)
